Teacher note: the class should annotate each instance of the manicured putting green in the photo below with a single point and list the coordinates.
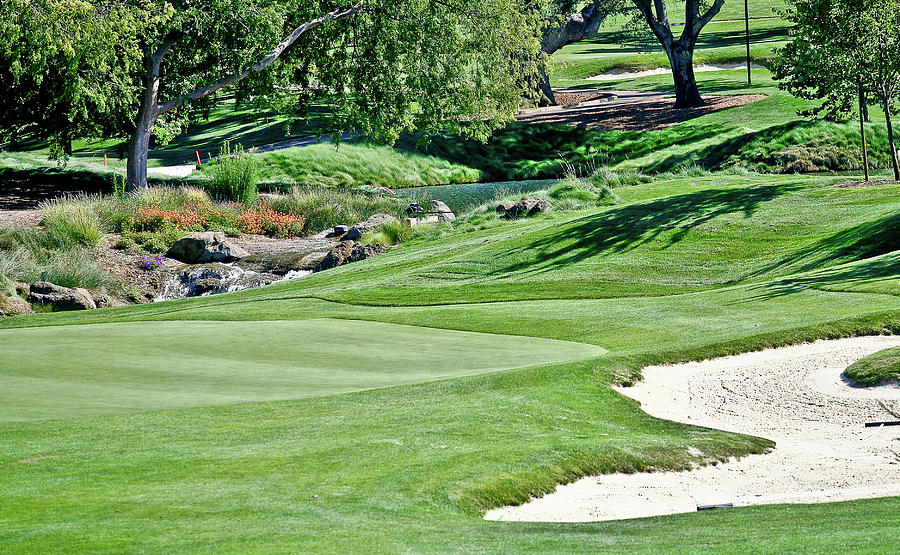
(57, 372)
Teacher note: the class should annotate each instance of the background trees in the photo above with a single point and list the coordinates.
(382, 66)
(844, 51)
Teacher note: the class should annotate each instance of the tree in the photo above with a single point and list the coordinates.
(61, 57)
(565, 26)
(680, 51)
(844, 51)
(383, 66)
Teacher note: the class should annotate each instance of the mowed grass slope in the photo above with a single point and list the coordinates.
(412, 467)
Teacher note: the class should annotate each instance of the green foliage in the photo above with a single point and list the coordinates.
(73, 220)
(30, 255)
(878, 368)
(155, 241)
(235, 175)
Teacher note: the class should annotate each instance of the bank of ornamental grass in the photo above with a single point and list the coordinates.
(878, 368)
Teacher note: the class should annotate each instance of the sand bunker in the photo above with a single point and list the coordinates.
(617, 74)
(794, 396)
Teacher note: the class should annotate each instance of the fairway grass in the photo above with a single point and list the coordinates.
(722, 264)
(163, 365)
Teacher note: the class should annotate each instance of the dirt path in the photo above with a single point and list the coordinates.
(794, 396)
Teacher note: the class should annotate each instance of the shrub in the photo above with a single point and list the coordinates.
(235, 175)
(265, 221)
(73, 220)
(613, 179)
(151, 241)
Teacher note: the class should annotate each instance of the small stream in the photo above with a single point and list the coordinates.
(464, 197)
(201, 280)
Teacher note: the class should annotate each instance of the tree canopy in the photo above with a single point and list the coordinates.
(382, 66)
(842, 49)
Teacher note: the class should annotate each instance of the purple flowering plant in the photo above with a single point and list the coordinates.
(147, 261)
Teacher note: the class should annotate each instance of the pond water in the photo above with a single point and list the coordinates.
(461, 198)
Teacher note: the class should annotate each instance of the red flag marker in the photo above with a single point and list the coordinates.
(197, 152)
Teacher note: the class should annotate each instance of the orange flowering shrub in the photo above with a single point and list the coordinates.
(265, 221)
(152, 218)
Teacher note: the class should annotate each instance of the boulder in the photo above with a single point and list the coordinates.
(442, 211)
(526, 207)
(60, 298)
(102, 300)
(280, 263)
(349, 251)
(415, 208)
(205, 247)
(372, 223)
(13, 306)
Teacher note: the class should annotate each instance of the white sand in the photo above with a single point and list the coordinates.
(792, 395)
(617, 74)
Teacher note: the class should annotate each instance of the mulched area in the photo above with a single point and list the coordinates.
(567, 98)
(637, 116)
(857, 184)
(20, 198)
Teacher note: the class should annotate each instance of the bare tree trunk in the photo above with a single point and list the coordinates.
(139, 144)
(564, 31)
(891, 145)
(681, 51)
(681, 58)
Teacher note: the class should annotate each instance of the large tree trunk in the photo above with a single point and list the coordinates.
(562, 31)
(891, 145)
(139, 143)
(681, 58)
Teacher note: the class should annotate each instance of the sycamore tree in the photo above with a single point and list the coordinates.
(844, 51)
(680, 49)
(382, 66)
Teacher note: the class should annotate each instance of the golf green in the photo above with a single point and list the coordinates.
(65, 371)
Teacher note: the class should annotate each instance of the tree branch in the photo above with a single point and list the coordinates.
(701, 22)
(660, 28)
(335, 15)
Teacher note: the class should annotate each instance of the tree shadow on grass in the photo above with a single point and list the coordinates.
(624, 229)
(861, 249)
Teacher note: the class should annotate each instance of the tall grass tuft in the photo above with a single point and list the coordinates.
(74, 219)
(390, 233)
(235, 175)
(31, 255)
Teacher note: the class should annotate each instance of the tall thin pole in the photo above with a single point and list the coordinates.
(747, 28)
(862, 131)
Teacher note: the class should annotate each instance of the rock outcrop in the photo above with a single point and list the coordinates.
(349, 251)
(60, 298)
(205, 247)
(526, 207)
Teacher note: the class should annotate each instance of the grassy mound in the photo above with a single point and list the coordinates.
(877, 368)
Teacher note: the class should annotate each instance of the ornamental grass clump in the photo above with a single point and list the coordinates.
(235, 175)
(74, 220)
